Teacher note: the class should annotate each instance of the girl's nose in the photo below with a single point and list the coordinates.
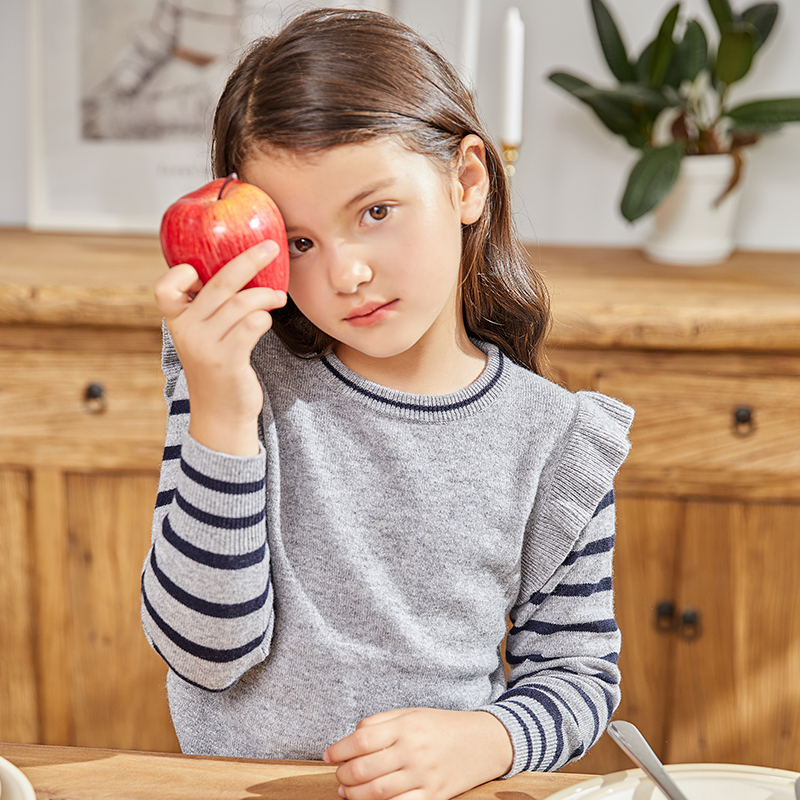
(348, 269)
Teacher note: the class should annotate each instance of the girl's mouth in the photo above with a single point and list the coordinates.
(370, 313)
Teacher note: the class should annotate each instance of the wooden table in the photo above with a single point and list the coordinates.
(81, 773)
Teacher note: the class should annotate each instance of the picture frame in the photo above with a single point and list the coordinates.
(121, 102)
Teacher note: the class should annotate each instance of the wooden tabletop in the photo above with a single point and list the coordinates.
(77, 773)
(79, 279)
(601, 296)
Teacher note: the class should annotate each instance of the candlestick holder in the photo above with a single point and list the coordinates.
(510, 158)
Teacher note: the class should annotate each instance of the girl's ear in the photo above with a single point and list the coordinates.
(473, 178)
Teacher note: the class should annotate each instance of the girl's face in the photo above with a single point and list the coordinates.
(375, 240)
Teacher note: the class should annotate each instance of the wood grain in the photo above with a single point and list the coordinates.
(79, 279)
(602, 297)
(737, 698)
(688, 425)
(45, 421)
(94, 774)
(19, 706)
(53, 632)
(614, 298)
(117, 683)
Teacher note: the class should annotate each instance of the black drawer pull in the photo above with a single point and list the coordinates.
(690, 624)
(94, 399)
(665, 616)
(743, 421)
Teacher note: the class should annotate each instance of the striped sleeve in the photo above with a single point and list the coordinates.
(206, 593)
(563, 646)
(562, 650)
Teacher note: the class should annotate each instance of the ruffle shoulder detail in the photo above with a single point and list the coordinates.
(575, 484)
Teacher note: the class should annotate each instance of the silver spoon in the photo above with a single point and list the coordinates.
(630, 739)
(797, 788)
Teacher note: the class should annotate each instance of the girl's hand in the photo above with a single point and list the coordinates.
(215, 328)
(420, 754)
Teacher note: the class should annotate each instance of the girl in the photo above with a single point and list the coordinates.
(374, 476)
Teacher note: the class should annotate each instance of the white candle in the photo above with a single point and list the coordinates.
(470, 38)
(513, 68)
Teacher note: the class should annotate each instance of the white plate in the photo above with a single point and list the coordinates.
(698, 782)
(13, 783)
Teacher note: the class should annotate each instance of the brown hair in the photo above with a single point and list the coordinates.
(340, 76)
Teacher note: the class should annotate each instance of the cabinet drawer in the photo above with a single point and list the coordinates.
(78, 409)
(711, 434)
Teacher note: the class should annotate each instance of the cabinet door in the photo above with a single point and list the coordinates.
(102, 684)
(737, 684)
(646, 560)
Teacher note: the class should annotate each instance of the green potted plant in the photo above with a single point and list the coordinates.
(672, 103)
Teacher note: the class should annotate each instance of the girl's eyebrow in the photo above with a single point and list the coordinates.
(373, 187)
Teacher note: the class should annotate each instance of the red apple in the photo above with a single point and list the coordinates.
(210, 226)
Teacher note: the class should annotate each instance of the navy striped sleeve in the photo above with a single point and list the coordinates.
(207, 603)
(562, 650)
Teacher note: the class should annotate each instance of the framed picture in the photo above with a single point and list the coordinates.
(122, 98)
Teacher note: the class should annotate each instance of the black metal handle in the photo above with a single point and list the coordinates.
(665, 616)
(743, 421)
(690, 624)
(94, 399)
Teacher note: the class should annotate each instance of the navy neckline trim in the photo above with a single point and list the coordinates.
(427, 407)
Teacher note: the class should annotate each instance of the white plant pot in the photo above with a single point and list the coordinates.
(688, 228)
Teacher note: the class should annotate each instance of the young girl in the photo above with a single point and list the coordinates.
(374, 475)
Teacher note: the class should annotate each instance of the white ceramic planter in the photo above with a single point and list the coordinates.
(688, 228)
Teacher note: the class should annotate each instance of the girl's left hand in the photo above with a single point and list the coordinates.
(420, 754)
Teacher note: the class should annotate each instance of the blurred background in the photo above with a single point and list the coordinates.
(572, 171)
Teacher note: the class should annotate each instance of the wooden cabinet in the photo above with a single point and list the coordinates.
(708, 539)
(82, 421)
(708, 502)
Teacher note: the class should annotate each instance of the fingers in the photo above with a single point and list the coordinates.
(365, 739)
(181, 285)
(234, 276)
(175, 289)
(369, 768)
(371, 763)
(234, 318)
(397, 784)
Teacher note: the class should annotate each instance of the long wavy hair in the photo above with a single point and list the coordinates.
(341, 76)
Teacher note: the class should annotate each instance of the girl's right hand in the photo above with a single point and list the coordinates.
(215, 328)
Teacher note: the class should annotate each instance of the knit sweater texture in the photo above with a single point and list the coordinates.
(370, 556)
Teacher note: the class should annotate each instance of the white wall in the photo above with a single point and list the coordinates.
(572, 171)
(13, 107)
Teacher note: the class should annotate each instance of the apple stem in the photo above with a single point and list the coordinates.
(232, 177)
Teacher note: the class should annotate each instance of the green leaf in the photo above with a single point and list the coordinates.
(762, 17)
(611, 42)
(723, 13)
(651, 179)
(630, 94)
(568, 82)
(735, 54)
(664, 48)
(642, 66)
(618, 117)
(692, 52)
(765, 113)
(614, 108)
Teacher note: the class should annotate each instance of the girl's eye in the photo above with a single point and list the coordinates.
(299, 246)
(377, 213)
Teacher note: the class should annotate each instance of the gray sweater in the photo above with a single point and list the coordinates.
(369, 557)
